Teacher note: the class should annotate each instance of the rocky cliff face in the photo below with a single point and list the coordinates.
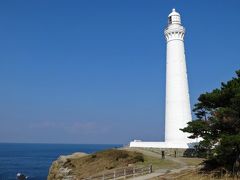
(62, 168)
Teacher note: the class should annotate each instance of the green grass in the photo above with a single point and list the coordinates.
(191, 161)
(194, 175)
(85, 166)
(158, 163)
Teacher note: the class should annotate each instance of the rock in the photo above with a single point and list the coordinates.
(61, 168)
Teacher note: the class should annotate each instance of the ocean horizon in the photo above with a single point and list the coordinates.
(34, 159)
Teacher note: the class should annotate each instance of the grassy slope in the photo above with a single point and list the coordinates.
(194, 175)
(83, 165)
(105, 160)
(158, 163)
(88, 165)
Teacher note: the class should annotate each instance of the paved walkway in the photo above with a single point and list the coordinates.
(158, 155)
(159, 172)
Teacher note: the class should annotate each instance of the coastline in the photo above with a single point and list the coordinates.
(73, 167)
(35, 159)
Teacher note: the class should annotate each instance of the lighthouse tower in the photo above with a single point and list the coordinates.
(177, 109)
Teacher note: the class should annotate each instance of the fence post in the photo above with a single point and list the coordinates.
(127, 171)
(150, 169)
(163, 154)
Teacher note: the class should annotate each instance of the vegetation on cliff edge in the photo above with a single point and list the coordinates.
(218, 124)
(87, 165)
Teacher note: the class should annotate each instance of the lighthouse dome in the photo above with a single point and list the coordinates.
(174, 13)
(174, 17)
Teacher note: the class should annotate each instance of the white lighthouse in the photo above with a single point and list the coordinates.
(177, 108)
(178, 111)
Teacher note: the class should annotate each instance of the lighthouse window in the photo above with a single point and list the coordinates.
(170, 19)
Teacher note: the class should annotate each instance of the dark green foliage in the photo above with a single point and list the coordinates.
(121, 155)
(93, 155)
(218, 124)
(139, 158)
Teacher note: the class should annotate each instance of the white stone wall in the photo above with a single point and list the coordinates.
(183, 145)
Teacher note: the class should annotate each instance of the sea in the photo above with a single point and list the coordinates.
(34, 160)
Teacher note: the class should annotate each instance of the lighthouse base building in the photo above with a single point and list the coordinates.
(177, 105)
(163, 145)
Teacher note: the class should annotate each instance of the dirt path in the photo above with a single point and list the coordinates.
(159, 156)
(162, 171)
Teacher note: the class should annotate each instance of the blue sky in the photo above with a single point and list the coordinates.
(93, 71)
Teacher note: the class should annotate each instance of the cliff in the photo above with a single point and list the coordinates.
(81, 165)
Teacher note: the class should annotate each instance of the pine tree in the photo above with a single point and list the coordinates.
(218, 125)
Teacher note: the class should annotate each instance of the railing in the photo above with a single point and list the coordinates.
(122, 173)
